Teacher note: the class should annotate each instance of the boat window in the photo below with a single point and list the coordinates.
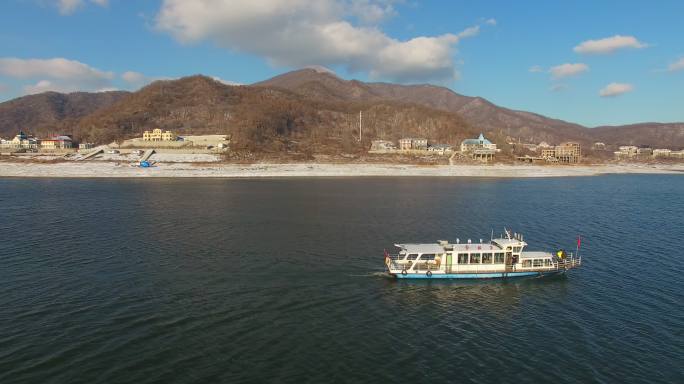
(463, 258)
(547, 262)
(537, 263)
(412, 256)
(499, 258)
(517, 249)
(527, 263)
(430, 256)
(474, 258)
(486, 258)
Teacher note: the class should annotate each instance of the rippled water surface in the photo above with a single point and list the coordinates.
(203, 281)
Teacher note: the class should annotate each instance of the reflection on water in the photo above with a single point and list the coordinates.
(282, 280)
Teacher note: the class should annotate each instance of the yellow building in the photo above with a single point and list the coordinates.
(159, 135)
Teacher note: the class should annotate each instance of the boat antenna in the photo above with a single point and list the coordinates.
(491, 237)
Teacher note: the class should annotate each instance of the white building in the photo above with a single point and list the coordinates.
(471, 145)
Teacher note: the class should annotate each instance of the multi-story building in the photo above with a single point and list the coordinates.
(662, 152)
(20, 141)
(158, 135)
(57, 142)
(480, 148)
(470, 145)
(409, 143)
(568, 152)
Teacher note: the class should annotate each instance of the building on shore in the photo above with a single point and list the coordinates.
(599, 146)
(86, 145)
(20, 141)
(415, 144)
(382, 145)
(159, 135)
(569, 152)
(631, 152)
(57, 142)
(441, 148)
(479, 149)
(667, 153)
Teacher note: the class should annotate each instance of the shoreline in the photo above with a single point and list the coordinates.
(104, 169)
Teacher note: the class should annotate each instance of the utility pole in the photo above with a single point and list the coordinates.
(360, 123)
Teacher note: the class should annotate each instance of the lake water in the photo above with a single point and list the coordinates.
(204, 281)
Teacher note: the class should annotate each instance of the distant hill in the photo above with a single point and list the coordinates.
(51, 112)
(309, 110)
(650, 134)
(264, 118)
(478, 112)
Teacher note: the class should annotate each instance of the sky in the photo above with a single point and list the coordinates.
(593, 62)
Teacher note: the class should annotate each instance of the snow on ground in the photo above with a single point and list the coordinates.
(170, 169)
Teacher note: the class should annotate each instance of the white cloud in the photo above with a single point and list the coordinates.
(568, 69)
(369, 11)
(57, 68)
(616, 89)
(297, 33)
(536, 69)
(133, 78)
(67, 7)
(226, 82)
(57, 74)
(676, 66)
(609, 45)
(490, 21)
(52, 86)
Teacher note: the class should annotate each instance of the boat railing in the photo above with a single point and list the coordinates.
(569, 262)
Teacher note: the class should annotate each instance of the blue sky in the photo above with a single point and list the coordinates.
(616, 62)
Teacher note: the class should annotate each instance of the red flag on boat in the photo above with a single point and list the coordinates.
(386, 254)
(579, 241)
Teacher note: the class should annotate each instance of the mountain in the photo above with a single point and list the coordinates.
(479, 113)
(650, 134)
(51, 112)
(309, 110)
(266, 119)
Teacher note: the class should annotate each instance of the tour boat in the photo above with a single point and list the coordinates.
(501, 257)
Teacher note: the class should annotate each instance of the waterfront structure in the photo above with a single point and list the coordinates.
(470, 145)
(667, 153)
(631, 151)
(382, 145)
(568, 152)
(410, 143)
(158, 135)
(499, 258)
(20, 141)
(440, 148)
(57, 142)
(85, 146)
(480, 148)
(548, 153)
(599, 146)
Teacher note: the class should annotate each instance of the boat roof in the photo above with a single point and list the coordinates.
(439, 248)
(535, 255)
(422, 248)
(512, 242)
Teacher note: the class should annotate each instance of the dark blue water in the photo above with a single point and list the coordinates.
(205, 281)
